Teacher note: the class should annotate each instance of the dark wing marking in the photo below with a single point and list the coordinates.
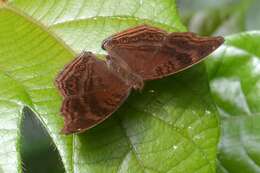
(69, 80)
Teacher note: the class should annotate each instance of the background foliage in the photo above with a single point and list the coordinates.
(234, 77)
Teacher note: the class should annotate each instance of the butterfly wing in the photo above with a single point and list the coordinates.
(153, 53)
(69, 80)
(95, 94)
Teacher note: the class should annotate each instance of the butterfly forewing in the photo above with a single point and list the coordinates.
(153, 53)
(97, 92)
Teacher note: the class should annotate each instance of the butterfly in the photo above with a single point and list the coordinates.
(93, 89)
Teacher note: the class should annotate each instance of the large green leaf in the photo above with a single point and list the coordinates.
(171, 126)
(234, 73)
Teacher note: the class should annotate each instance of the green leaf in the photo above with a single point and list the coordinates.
(171, 126)
(234, 73)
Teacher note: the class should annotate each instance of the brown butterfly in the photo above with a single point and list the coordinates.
(93, 89)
